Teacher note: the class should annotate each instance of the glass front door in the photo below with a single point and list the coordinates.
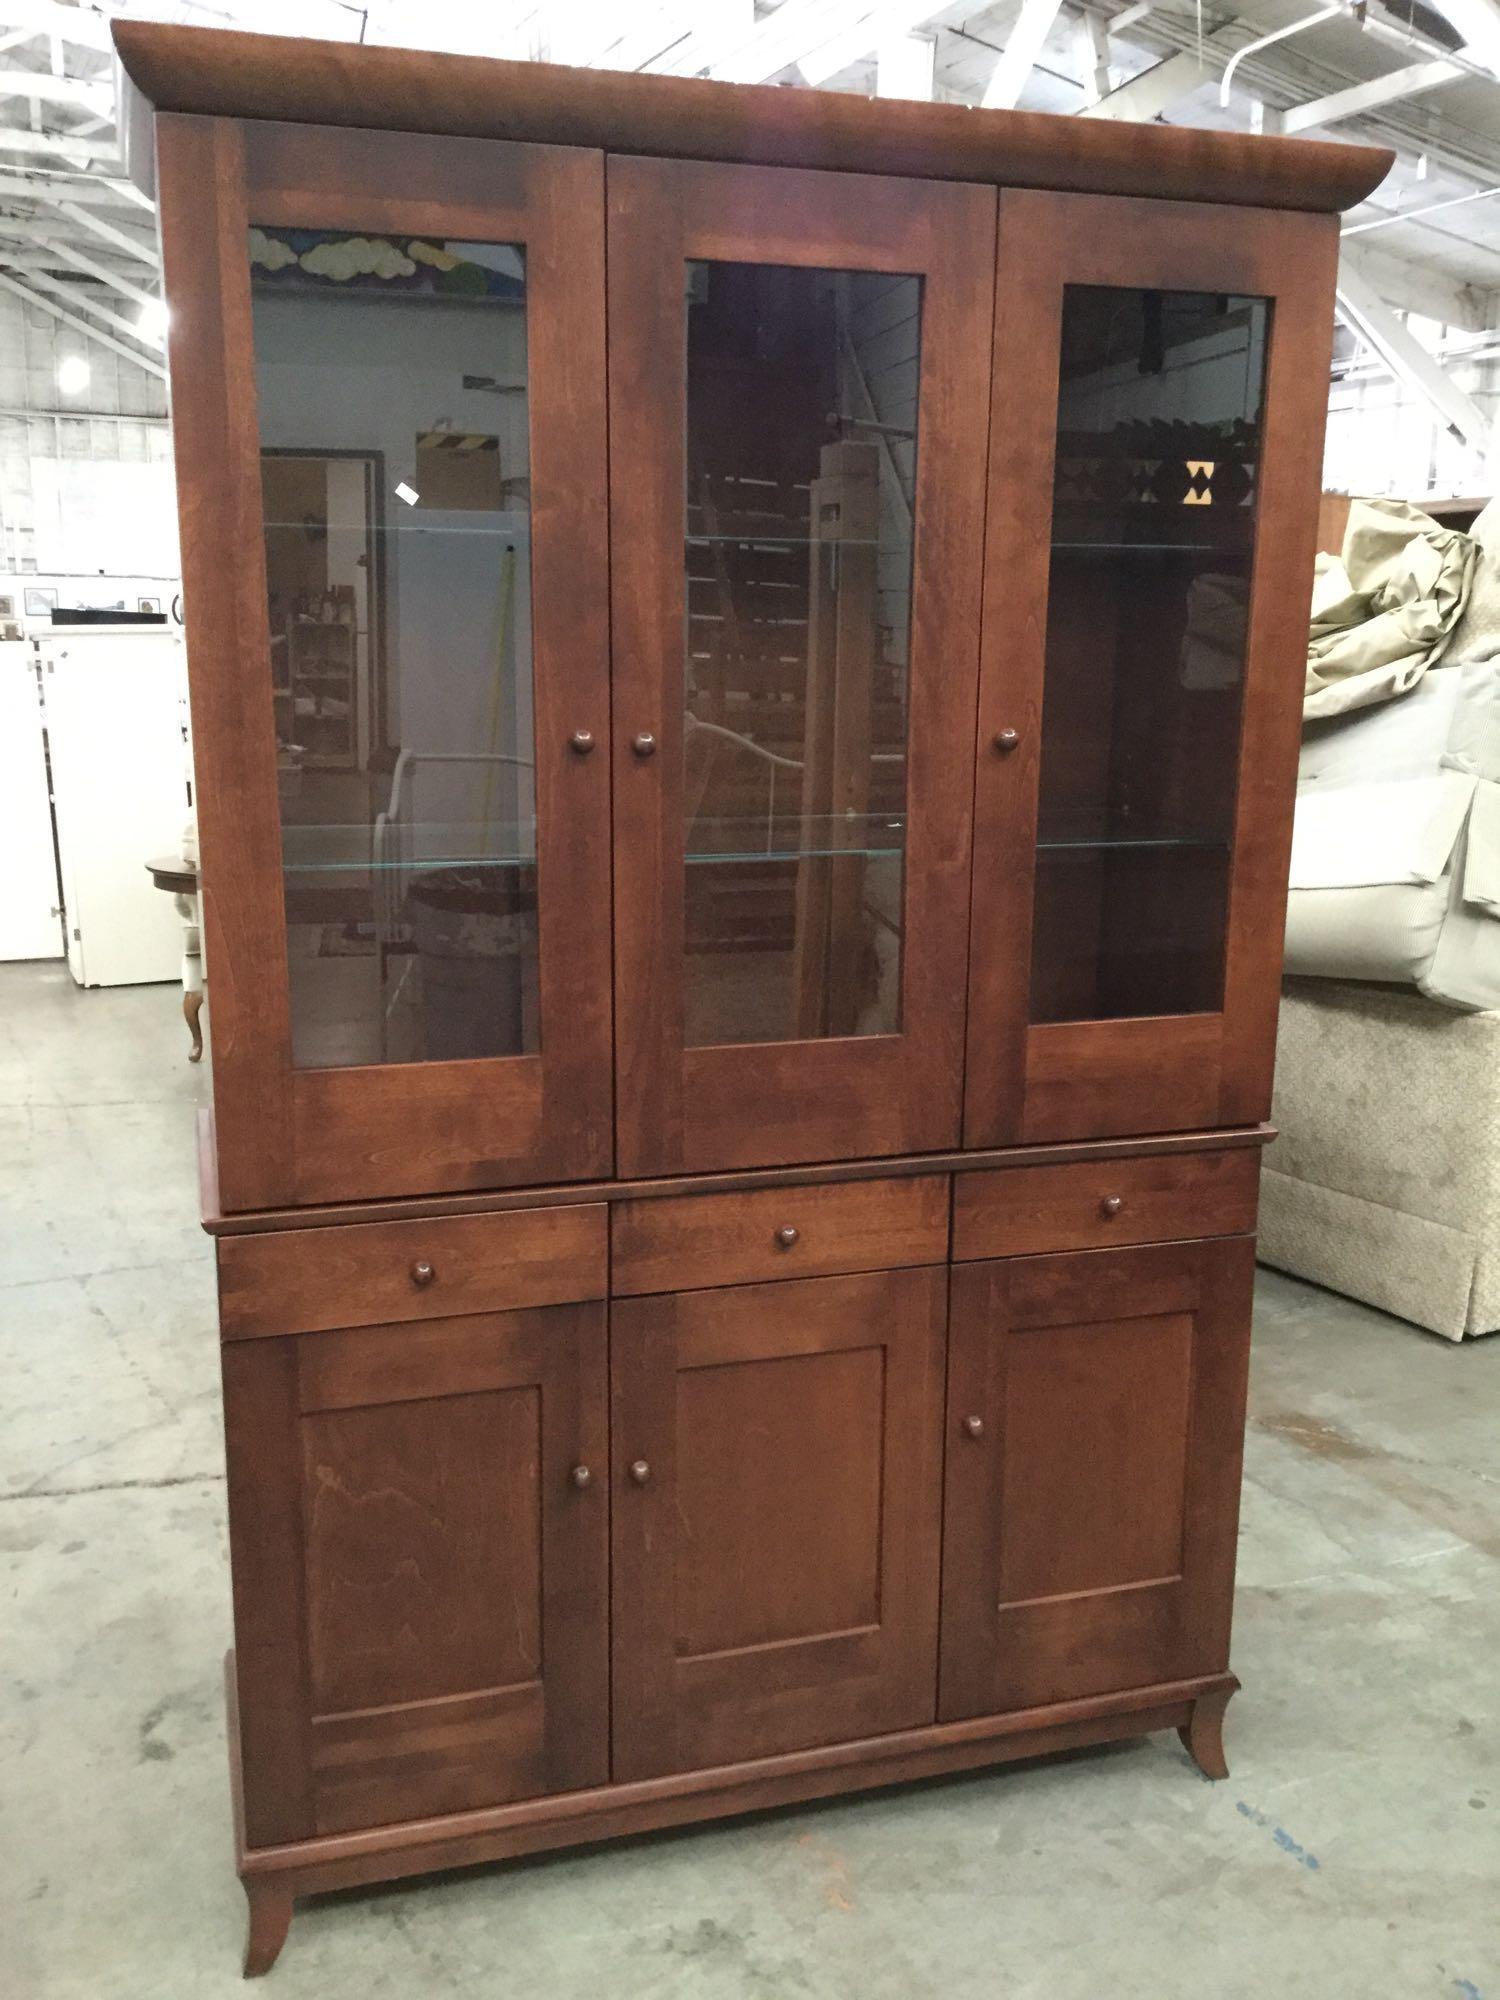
(797, 502)
(393, 410)
(390, 402)
(1153, 539)
(800, 492)
(1156, 425)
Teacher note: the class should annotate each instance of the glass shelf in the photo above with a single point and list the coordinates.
(1230, 543)
(751, 539)
(434, 846)
(412, 849)
(1099, 827)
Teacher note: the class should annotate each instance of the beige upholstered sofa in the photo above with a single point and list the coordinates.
(1384, 1182)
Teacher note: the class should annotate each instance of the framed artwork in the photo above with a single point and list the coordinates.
(40, 603)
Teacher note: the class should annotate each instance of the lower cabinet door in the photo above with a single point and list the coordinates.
(419, 1527)
(1095, 1414)
(777, 1486)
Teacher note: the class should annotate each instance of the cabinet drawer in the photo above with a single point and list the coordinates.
(681, 1242)
(1088, 1205)
(305, 1280)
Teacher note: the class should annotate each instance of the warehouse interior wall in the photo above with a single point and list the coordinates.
(85, 476)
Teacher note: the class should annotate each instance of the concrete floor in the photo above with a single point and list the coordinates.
(1355, 1851)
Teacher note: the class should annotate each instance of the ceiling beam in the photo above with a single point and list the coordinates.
(82, 151)
(1018, 58)
(74, 295)
(889, 23)
(79, 25)
(1421, 287)
(32, 183)
(1091, 39)
(1156, 89)
(102, 272)
(133, 246)
(1361, 307)
(99, 98)
(1363, 97)
(736, 54)
(81, 325)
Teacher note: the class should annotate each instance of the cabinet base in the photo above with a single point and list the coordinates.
(273, 1876)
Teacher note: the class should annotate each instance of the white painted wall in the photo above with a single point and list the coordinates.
(85, 479)
(370, 374)
(1384, 438)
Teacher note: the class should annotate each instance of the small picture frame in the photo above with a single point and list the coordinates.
(152, 604)
(7, 607)
(40, 603)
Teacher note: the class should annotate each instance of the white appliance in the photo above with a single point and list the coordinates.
(116, 704)
(30, 919)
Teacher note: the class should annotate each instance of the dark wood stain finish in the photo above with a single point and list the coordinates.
(430, 1579)
(775, 1571)
(1104, 1205)
(332, 83)
(730, 1239)
(304, 1280)
(637, 1433)
(682, 1108)
(1111, 1563)
(1078, 1079)
(305, 1135)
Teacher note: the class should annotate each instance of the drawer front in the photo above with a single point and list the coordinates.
(368, 1274)
(1089, 1205)
(682, 1242)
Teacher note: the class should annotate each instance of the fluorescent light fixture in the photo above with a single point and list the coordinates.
(151, 320)
(72, 375)
(407, 493)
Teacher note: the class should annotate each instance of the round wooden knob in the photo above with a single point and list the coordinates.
(974, 1427)
(640, 1471)
(1111, 1205)
(422, 1273)
(580, 1476)
(1006, 741)
(786, 1236)
(644, 745)
(581, 742)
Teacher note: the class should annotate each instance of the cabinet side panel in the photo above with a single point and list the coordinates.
(1296, 415)
(200, 163)
(263, 1456)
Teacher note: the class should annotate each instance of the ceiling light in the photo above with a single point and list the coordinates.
(151, 320)
(407, 493)
(72, 375)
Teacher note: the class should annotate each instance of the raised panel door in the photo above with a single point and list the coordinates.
(1152, 506)
(776, 1499)
(1095, 1413)
(798, 381)
(392, 478)
(419, 1519)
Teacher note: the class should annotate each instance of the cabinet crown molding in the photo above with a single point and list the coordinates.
(228, 74)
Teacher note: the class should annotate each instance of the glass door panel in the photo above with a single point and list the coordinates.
(797, 492)
(392, 399)
(1153, 537)
(801, 470)
(388, 389)
(1156, 421)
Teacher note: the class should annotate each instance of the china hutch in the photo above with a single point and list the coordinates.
(738, 1090)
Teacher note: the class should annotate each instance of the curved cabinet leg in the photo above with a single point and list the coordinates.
(192, 1007)
(1203, 1733)
(270, 1919)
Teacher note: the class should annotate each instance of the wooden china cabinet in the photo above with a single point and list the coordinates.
(737, 1110)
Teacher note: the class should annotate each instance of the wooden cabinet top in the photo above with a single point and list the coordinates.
(231, 75)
